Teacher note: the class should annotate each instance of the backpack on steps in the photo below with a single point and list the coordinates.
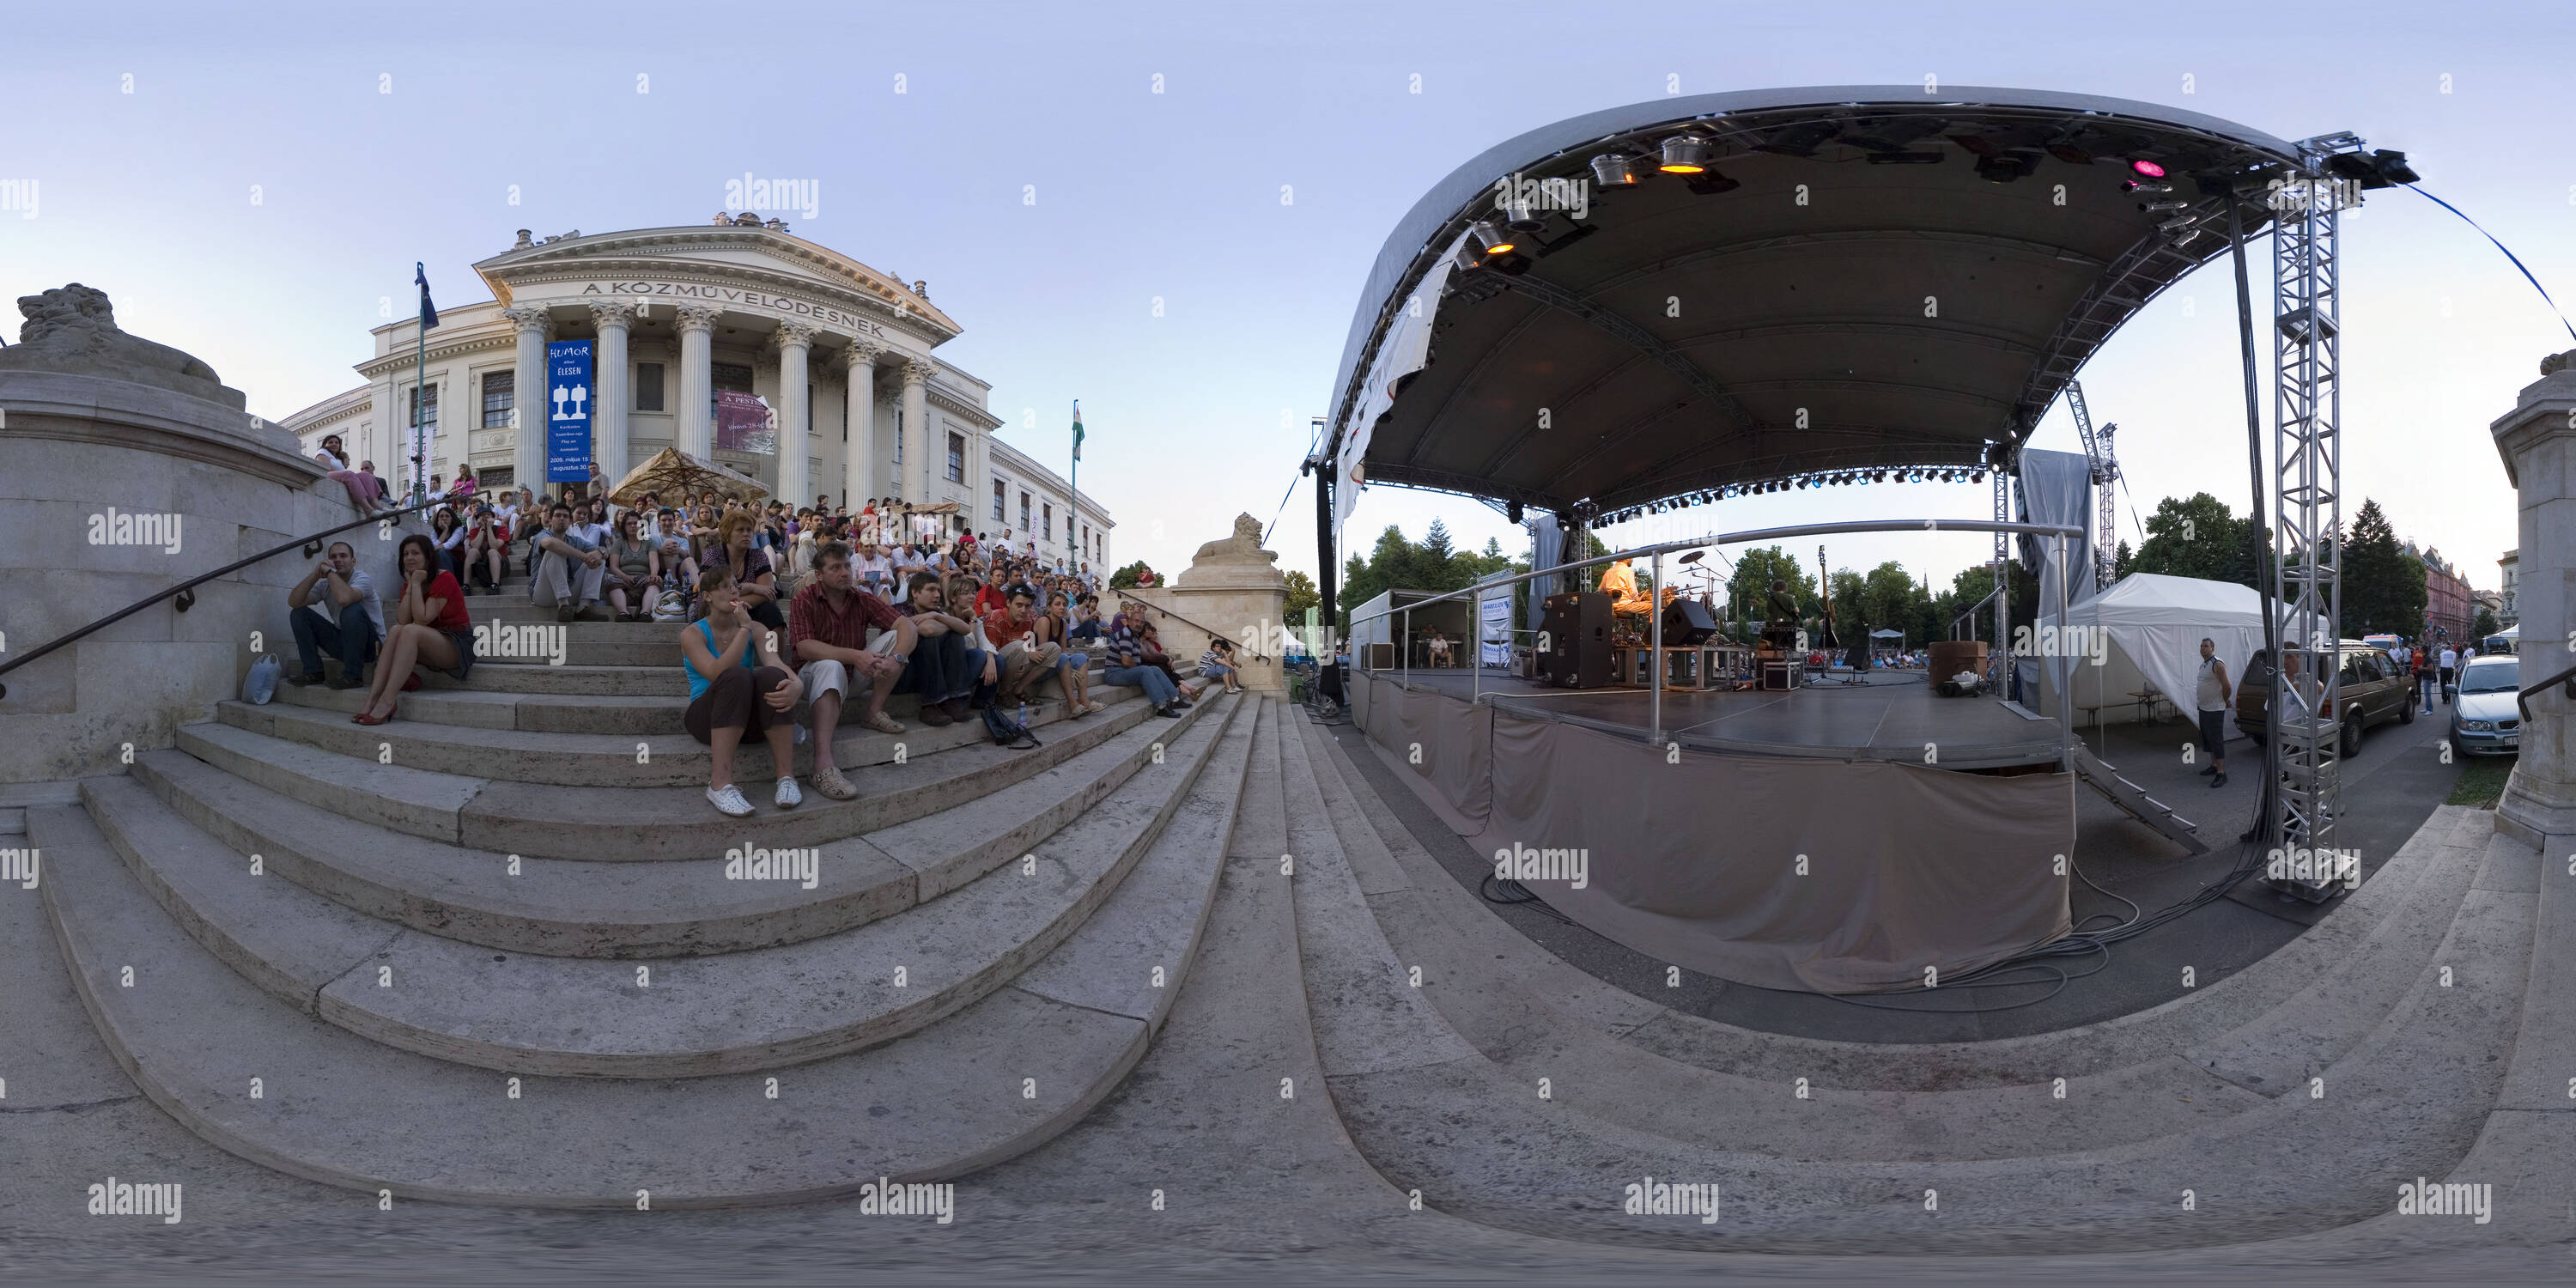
(1004, 729)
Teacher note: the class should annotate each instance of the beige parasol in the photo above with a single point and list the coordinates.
(676, 473)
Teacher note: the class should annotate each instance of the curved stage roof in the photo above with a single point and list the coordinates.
(1897, 278)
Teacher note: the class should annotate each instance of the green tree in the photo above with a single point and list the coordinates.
(1125, 578)
(2485, 625)
(2199, 537)
(1748, 592)
(2383, 586)
(1302, 596)
(2123, 560)
(1396, 563)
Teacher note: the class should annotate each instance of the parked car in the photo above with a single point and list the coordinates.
(2484, 719)
(2373, 692)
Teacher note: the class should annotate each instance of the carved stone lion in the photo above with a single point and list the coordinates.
(2557, 362)
(73, 329)
(1243, 547)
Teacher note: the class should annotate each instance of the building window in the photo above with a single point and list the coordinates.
(424, 408)
(1024, 512)
(956, 458)
(1046, 515)
(497, 386)
(648, 386)
(998, 502)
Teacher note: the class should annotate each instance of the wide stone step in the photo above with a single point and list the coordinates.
(636, 715)
(566, 759)
(1539, 1017)
(994, 1080)
(1532, 1029)
(593, 908)
(2190, 1018)
(660, 680)
(637, 823)
(673, 1018)
(2408, 1098)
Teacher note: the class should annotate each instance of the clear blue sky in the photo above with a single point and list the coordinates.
(1201, 412)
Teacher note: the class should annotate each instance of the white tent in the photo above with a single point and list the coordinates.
(2147, 631)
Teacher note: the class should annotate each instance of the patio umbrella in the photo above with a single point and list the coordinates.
(676, 472)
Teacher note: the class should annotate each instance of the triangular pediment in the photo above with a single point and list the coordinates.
(764, 251)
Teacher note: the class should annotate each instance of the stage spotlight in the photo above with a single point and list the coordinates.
(1513, 513)
(2160, 207)
(2148, 168)
(2177, 223)
(1684, 154)
(1978, 477)
(1611, 170)
(1494, 238)
(1523, 219)
(2148, 186)
(2378, 170)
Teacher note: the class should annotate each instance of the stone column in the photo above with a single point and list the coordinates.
(859, 460)
(2538, 442)
(914, 484)
(696, 429)
(616, 392)
(527, 398)
(795, 349)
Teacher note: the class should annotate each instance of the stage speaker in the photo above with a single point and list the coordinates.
(1578, 640)
(1379, 656)
(1687, 624)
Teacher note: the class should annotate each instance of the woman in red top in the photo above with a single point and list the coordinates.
(431, 628)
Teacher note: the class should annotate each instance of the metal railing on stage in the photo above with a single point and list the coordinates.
(2058, 532)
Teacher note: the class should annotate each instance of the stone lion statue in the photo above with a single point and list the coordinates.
(1243, 547)
(73, 329)
(2557, 362)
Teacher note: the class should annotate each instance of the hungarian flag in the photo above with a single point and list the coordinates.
(1077, 429)
(428, 311)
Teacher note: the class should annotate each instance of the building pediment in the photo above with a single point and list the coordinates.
(767, 256)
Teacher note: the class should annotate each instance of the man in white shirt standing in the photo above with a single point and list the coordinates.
(2214, 692)
(2450, 669)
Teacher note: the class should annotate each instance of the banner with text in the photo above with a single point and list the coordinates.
(743, 423)
(567, 411)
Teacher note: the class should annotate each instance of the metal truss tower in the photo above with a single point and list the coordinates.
(2307, 447)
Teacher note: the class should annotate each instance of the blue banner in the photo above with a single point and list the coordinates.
(566, 407)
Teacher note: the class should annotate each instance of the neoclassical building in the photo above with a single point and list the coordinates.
(841, 352)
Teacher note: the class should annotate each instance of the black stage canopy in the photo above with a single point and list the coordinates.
(1861, 276)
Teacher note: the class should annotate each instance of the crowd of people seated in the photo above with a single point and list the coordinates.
(795, 622)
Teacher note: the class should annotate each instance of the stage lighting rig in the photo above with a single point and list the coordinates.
(2380, 169)
(1684, 154)
(1496, 239)
(1614, 170)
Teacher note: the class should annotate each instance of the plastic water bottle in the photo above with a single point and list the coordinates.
(1024, 714)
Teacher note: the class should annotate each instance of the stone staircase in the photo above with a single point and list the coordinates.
(490, 953)
(2289, 1098)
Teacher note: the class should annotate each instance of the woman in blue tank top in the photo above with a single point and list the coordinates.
(738, 688)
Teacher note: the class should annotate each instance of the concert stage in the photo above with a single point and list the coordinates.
(1891, 716)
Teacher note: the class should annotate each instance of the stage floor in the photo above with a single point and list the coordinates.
(1892, 715)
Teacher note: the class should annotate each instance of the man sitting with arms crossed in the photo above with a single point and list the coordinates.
(569, 568)
(347, 620)
(1024, 658)
(827, 625)
(945, 665)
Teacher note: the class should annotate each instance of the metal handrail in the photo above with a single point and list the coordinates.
(1257, 655)
(2522, 700)
(185, 592)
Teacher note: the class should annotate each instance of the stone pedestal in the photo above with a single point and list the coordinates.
(2538, 441)
(98, 430)
(1234, 589)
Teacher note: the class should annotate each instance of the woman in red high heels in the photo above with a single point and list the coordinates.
(431, 629)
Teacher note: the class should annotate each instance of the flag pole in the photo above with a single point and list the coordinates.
(419, 444)
(1073, 486)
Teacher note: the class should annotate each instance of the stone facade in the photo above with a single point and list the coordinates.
(2538, 442)
(131, 467)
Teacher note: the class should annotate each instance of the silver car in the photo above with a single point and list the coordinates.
(2485, 720)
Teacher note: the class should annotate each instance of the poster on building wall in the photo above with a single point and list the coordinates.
(743, 423)
(567, 411)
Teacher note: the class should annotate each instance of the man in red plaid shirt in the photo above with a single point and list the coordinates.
(827, 625)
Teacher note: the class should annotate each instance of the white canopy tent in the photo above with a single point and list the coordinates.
(2149, 630)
